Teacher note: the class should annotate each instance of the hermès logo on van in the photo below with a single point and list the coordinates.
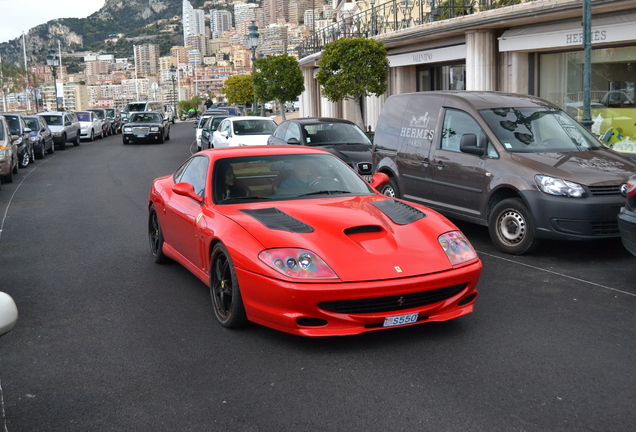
(418, 130)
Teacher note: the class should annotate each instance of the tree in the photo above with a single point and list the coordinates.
(353, 69)
(278, 78)
(239, 90)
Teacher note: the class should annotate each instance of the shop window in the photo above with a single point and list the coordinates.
(612, 90)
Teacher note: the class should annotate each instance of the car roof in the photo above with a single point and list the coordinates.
(260, 150)
(484, 99)
(249, 118)
(316, 120)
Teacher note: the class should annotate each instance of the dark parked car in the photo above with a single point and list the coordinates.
(107, 127)
(8, 153)
(41, 136)
(146, 127)
(18, 127)
(209, 126)
(627, 217)
(115, 120)
(340, 137)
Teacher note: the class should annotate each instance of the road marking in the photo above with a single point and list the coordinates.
(558, 274)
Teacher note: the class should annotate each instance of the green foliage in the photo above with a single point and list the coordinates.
(353, 68)
(186, 105)
(278, 77)
(239, 90)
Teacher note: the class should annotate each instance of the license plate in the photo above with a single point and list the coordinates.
(401, 320)
(140, 136)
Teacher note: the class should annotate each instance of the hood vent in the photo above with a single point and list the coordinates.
(275, 219)
(399, 212)
(363, 229)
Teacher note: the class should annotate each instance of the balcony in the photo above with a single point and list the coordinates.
(391, 16)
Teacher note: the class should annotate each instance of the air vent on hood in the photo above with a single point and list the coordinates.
(399, 212)
(275, 219)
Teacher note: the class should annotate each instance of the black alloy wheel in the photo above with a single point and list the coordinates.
(155, 236)
(224, 289)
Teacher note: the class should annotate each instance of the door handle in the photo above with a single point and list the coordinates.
(426, 162)
(440, 165)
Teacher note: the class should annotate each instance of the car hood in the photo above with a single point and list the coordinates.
(361, 238)
(142, 124)
(592, 168)
(54, 128)
(350, 153)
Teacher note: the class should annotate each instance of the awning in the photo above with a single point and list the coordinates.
(566, 34)
(437, 55)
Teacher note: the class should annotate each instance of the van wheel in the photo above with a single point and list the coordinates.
(511, 227)
(390, 189)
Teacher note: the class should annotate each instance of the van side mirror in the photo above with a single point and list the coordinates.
(468, 144)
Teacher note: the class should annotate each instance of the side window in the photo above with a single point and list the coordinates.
(458, 123)
(280, 130)
(196, 173)
(293, 131)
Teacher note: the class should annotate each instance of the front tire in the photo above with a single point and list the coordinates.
(92, 137)
(224, 289)
(390, 189)
(24, 159)
(511, 227)
(155, 236)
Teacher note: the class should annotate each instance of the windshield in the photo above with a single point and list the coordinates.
(135, 107)
(1, 131)
(254, 127)
(14, 124)
(283, 177)
(53, 120)
(334, 133)
(110, 112)
(538, 130)
(84, 117)
(32, 123)
(145, 118)
(100, 114)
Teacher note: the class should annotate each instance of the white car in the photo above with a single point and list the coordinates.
(91, 126)
(243, 131)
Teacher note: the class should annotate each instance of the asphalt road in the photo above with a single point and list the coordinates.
(109, 341)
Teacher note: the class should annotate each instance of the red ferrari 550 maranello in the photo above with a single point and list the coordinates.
(292, 238)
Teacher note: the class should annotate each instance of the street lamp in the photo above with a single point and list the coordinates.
(53, 61)
(173, 77)
(373, 24)
(252, 41)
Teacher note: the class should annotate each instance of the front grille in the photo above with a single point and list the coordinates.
(606, 227)
(141, 130)
(605, 190)
(391, 303)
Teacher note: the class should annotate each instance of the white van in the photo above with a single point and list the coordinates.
(136, 106)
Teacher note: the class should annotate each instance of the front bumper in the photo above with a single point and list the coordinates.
(146, 137)
(308, 309)
(563, 218)
(627, 227)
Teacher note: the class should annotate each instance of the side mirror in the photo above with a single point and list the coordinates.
(27, 130)
(378, 180)
(187, 190)
(468, 144)
(293, 141)
(14, 138)
(224, 134)
(8, 313)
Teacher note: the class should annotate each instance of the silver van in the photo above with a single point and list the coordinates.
(138, 106)
(515, 163)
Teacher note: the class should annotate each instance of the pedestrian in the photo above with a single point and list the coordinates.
(208, 104)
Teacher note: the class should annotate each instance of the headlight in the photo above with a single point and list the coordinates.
(127, 130)
(457, 248)
(559, 187)
(35, 138)
(297, 263)
(154, 129)
(2, 152)
(57, 133)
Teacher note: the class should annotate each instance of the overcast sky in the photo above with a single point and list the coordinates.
(21, 15)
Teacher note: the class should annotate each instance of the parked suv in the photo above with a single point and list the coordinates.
(18, 127)
(8, 153)
(514, 163)
(65, 127)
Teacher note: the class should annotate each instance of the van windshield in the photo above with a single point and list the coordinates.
(136, 107)
(538, 130)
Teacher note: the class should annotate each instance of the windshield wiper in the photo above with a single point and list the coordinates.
(245, 198)
(328, 192)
